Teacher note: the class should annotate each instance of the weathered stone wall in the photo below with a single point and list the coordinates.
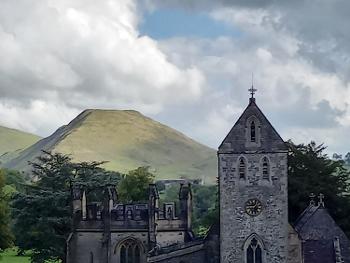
(84, 246)
(190, 254)
(236, 225)
(167, 238)
(294, 246)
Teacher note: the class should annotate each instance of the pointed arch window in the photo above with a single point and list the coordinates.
(242, 168)
(130, 252)
(265, 169)
(252, 132)
(254, 250)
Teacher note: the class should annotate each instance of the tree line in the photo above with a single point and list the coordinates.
(37, 216)
(340, 157)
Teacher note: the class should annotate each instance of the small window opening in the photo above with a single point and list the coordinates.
(242, 169)
(252, 132)
(91, 257)
(265, 169)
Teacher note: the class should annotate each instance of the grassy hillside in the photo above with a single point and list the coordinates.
(13, 141)
(127, 139)
(10, 256)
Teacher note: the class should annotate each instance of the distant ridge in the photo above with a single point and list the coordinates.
(126, 139)
(13, 141)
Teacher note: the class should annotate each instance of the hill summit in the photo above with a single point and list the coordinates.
(126, 139)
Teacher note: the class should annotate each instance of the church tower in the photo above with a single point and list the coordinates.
(253, 191)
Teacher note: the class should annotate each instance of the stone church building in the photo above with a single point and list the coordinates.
(253, 228)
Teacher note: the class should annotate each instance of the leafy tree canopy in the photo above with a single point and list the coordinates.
(312, 171)
(42, 213)
(14, 181)
(134, 186)
(5, 232)
(205, 205)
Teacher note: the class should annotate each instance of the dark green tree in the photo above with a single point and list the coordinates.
(42, 213)
(337, 157)
(6, 237)
(347, 158)
(205, 205)
(134, 186)
(312, 171)
(14, 180)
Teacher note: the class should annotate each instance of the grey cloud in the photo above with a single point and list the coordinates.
(321, 26)
(58, 60)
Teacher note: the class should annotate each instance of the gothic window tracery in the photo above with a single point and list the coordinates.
(265, 169)
(242, 168)
(254, 251)
(130, 252)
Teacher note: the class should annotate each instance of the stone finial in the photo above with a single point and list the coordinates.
(312, 201)
(321, 200)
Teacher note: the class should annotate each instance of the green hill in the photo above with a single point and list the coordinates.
(126, 139)
(13, 141)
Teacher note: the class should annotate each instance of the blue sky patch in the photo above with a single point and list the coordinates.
(166, 23)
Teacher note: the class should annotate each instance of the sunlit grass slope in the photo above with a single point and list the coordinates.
(127, 139)
(13, 141)
(10, 256)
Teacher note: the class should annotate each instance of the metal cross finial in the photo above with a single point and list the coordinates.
(252, 90)
(312, 201)
(321, 201)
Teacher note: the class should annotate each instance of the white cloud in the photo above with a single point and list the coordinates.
(84, 54)
(303, 100)
(60, 57)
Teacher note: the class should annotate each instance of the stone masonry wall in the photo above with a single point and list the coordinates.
(236, 225)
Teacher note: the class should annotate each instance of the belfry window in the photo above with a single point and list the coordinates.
(130, 252)
(252, 132)
(265, 169)
(254, 252)
(242, 168)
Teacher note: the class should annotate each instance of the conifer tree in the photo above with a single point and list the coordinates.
(42, 214)
(310, 170)
(5, 232)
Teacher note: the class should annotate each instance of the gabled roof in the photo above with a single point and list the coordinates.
(318, 231)
(235, 141)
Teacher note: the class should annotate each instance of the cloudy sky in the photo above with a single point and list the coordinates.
(185, 63)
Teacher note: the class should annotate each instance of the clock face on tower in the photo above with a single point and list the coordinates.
(253, 207)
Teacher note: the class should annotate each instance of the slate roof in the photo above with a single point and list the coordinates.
(235, 140)
(318, 251)
(318, 231)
